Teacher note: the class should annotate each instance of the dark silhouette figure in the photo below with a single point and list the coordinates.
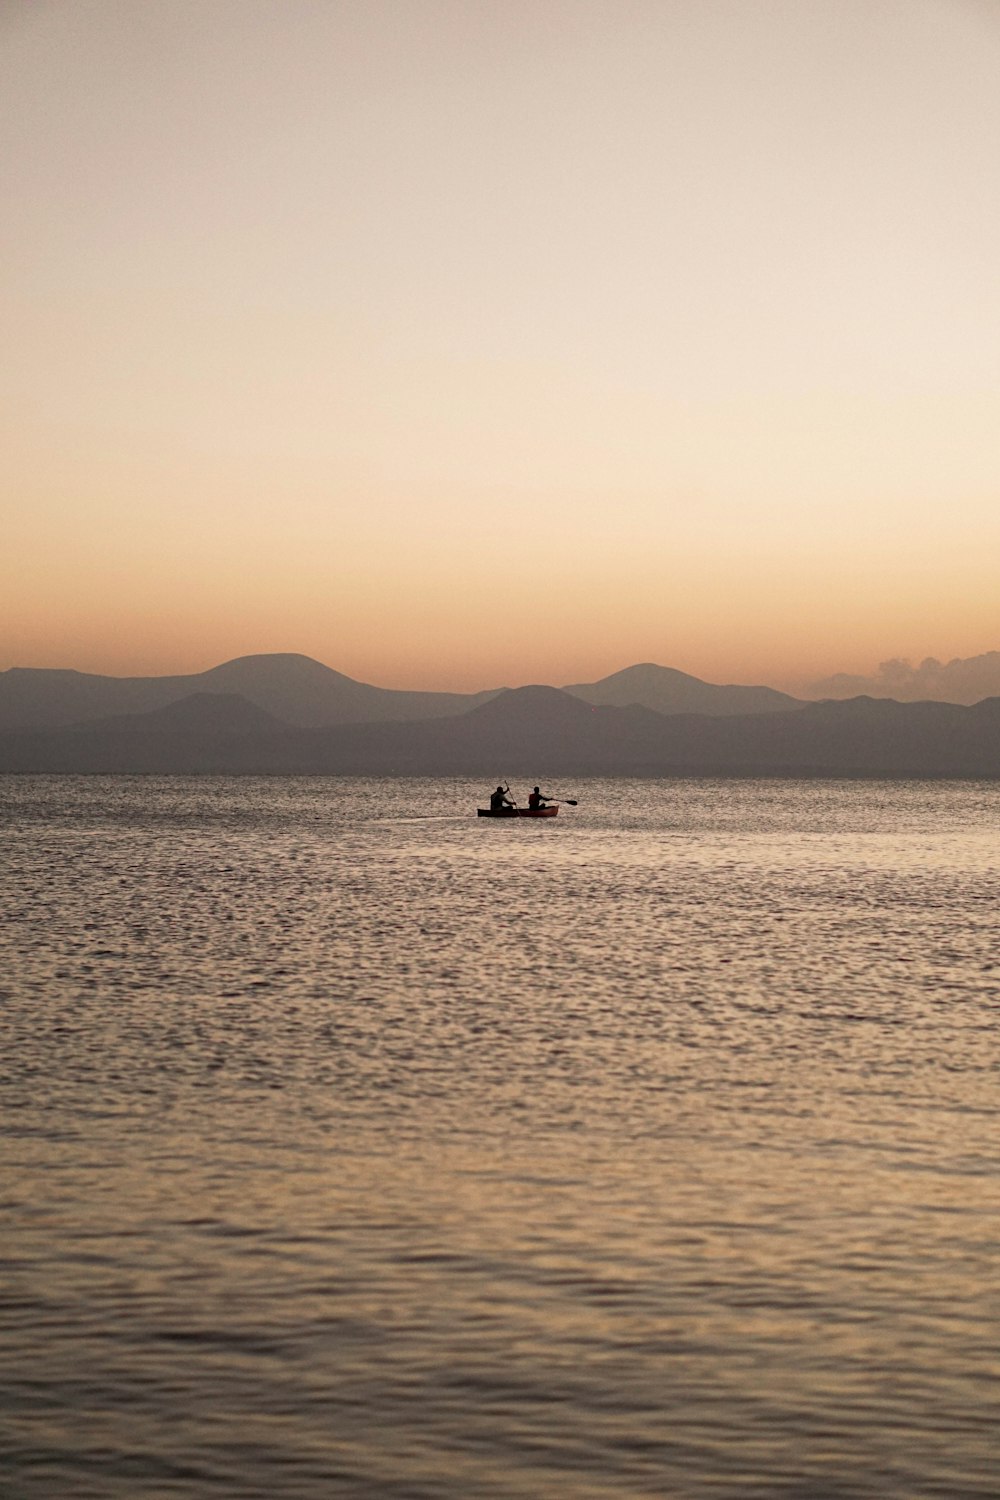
(499, 800)
(537, 799)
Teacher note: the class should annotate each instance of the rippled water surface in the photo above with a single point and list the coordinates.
(356, 1147)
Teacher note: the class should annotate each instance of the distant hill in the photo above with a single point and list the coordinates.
(201, 713)
(533, 732)
(294, 688)
(962, 680)
(671, 692)
(206, 732)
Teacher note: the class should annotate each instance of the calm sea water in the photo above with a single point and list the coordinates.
(354, 1147)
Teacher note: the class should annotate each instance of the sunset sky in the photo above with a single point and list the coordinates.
(459, 343)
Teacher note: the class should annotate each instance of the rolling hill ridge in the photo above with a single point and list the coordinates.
(305, 693)
(535, 732)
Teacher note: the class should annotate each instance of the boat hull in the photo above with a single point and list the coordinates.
(516, 812)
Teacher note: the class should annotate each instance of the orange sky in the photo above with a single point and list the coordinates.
(457, 345)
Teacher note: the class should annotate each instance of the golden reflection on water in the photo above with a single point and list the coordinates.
(347, 1158)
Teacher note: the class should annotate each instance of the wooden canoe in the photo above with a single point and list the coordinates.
(516, 812)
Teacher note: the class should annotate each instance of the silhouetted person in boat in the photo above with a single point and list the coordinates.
(499, 800)
(536, 800)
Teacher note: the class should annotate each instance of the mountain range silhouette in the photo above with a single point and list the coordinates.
(294, 688)
(287, 714)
